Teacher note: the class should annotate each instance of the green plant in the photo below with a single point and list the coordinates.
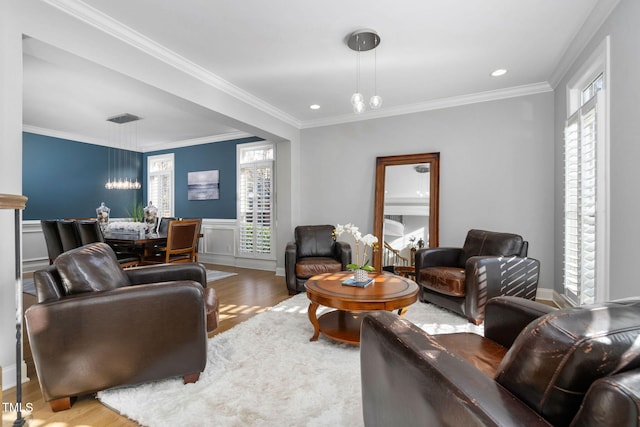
(137, 212)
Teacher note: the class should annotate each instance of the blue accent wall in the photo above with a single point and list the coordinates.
(65, 179)
(219, 156)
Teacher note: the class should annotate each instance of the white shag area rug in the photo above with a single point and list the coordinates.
(266, 372)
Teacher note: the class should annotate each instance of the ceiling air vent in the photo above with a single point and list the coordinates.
(123, 118)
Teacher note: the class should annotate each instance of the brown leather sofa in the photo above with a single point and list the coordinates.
(535, 366)
(314, 251)
(490, 264)
(97, 326)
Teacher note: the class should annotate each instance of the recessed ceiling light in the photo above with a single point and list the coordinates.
(314, 106)
(499, 72)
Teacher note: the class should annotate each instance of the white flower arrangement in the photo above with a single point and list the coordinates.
(128, 225)
(366, 240)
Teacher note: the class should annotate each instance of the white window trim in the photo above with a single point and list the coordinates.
(168, 156)
(598, 62)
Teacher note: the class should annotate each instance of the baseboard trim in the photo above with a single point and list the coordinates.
(9, 375)
(551, 295)
(232, 261)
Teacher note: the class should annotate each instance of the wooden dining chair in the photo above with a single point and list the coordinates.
(182, 239)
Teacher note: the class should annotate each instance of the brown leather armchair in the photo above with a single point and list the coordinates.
(535, 366)
(97, 326)
(490, 264)
(314, 251)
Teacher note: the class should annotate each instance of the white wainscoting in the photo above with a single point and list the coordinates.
(217, 246)
(34, 248)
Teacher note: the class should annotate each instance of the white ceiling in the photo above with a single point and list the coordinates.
(290, 54)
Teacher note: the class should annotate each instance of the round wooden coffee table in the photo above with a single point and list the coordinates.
(387, 292)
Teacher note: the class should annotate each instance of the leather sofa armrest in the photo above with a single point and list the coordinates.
(506, 317)
(487, 277)
(168, 272)
(410, 379)
(132, 334)
(290, 257)
(343, 253)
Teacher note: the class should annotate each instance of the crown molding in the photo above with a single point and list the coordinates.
(594, 21)
(195, 141)
(118, 30)
(69, 136)
(438, 104)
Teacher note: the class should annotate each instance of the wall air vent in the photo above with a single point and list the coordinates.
(123, 118)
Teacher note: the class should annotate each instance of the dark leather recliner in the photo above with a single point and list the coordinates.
(97, 326)
(535, 366)
(490, 264)
(314, 251)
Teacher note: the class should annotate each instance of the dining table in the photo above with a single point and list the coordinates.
(134, 242)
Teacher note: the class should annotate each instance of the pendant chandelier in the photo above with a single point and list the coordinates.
(122, 155)
(362, 41)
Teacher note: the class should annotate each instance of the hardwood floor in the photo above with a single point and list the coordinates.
(242, 296)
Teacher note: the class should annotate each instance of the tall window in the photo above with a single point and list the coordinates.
(160, 183)
(585, 190)
(255, 199)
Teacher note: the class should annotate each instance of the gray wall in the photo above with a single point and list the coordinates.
(622, 26)
(496, 163)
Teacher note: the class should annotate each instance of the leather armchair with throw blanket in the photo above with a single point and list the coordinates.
(463, 279)
(314, 251)
(535, 366)
(98, 326)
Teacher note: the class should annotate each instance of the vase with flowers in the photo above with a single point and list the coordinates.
(361, 267)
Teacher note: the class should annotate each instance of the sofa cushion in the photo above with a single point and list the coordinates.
(90, 268)
(445, 280)
(311, 266)
(490, 243)
(556, 358)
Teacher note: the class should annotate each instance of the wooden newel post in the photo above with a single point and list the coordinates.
(17, 203)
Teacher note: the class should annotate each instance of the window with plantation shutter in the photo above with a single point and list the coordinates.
(585, 236)
(580, 205)
(255, 200)
(160, 183)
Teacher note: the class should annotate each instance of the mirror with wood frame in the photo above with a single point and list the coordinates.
(406, 208)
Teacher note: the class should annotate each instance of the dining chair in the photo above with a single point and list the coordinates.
(182, 239)
(68, 234)
(89, 231)
(163, 224)
(52, 238)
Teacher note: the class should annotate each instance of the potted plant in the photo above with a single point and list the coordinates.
(361, 267)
